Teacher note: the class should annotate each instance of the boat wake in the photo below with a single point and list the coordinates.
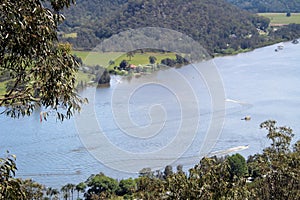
(227, 151)
(238, 102)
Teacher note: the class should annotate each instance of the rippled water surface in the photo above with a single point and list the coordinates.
(263, 84)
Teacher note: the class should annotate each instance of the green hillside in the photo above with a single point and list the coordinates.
(84, 19)
(219, 26)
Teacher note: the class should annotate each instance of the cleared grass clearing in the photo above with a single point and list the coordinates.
(281, 18)
(70, 35)
(142, 59)
(95, 58)
(2, 88)
(103, 59)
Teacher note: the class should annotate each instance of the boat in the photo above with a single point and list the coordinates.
(280, 47)
(295, 41)
(246, 118)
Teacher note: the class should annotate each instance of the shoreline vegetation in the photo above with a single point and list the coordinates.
(94, 64)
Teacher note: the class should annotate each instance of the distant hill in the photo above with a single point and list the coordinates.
(217, 25)
(85, 18)
(268, 5)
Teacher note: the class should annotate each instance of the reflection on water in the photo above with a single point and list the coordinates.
(263, 84)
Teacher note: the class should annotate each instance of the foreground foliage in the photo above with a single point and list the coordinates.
(10, 188)
(38, 69)
(273, 174)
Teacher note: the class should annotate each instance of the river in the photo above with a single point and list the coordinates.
(140, 123)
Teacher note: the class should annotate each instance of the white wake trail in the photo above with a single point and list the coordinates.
(238, 102)
(227, 151)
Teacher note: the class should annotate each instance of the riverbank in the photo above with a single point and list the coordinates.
(92, 61)
(137, 63)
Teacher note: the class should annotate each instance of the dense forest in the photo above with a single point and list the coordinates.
(272, 174)
(268, 5)
(85, 18)
(217, 25)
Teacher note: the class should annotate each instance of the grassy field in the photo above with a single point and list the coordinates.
(70, 35)
(95, 58)
(142, 59)
(281, 18)
(102, 59)
(2, 88)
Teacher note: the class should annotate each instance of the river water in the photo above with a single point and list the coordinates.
(139, 119)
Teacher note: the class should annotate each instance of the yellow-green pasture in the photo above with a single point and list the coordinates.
(278, 19)
(70, 35)
(92, 58)
(103, 59)
(2, 88)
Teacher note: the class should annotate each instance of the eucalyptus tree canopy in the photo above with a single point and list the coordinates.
(39, 71)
